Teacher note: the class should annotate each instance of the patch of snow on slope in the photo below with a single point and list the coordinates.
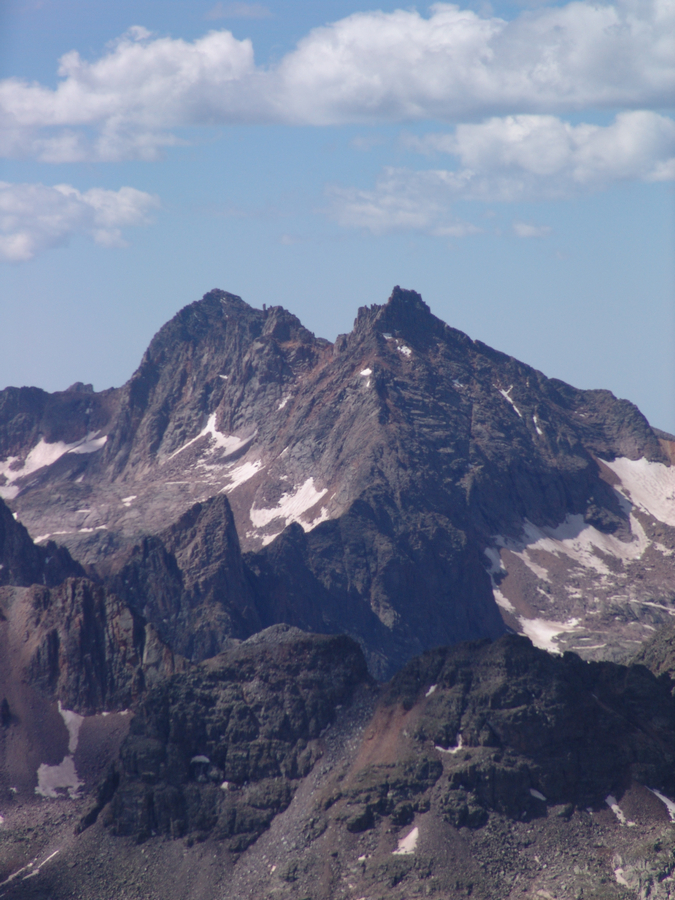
(227, 442)
(618, 812)
(536, 425)
(431, 690)
(503, 601)
(542, 632)
(578, 540)
(407, 845)
(241, 474)
(459, 744)
(44, 454)
(670, 806)
(51, 779)
(537, 795)
(406, 351)
(507, 396)
(291, 506)
(496, 564)
(538, 570)
(650, 485)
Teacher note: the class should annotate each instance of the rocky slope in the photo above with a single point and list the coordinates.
(279, 769)
(406, 485)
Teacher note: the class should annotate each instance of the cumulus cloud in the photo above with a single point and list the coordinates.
(35, 217)
(370, 67)
(542, 156)
(515, 158)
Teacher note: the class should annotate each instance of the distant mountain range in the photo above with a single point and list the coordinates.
(205, 573)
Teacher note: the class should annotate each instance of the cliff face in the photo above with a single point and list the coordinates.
(406, 485)
(279, 768)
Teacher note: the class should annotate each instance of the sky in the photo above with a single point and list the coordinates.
(514, 162)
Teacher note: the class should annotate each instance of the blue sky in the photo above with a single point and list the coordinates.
(512, 162)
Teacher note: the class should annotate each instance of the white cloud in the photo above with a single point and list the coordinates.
(35, 217)
(369, 67)
(122, 105)
(530, 155)
(525, 230)
(238, 11)
(515, 158)
(403, 201)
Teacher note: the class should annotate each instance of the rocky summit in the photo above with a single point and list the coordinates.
(383, 618)
(405, 485)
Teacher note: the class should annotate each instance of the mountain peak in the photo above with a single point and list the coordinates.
(404, 315)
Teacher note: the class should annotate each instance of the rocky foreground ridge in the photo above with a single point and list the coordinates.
(405, 485)
(280, 769)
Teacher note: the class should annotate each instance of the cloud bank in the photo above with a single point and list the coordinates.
(370, 67)
(34, 217)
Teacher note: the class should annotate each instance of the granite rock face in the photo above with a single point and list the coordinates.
(23, 563)
(405, 485)
(190, 581)
(80, 644)
(223, 747)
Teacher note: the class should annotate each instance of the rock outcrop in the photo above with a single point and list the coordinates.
(224, 746)
(23, 563)
(190, 581)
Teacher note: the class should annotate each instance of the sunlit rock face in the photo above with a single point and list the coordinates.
(406, 485)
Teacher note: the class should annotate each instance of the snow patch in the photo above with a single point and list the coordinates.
(51, 779)
(431, 690)
(649, 485)
(31, 869)
(365, 372)
(406, 351)
(537, 795)
(291, 506)
(579, 541)
(407, 845)
(610, 800)
(536, 425)
(507, 396)
(542, 632)
(670, 806)
(538, 570)
(41, 456)
(227, 442)
(284, 401)
(459, 744)
(73, 722)
(503, 601)
(241, 474)
(620, 878)
(496, 564)
(200, 759)
(129, 500)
